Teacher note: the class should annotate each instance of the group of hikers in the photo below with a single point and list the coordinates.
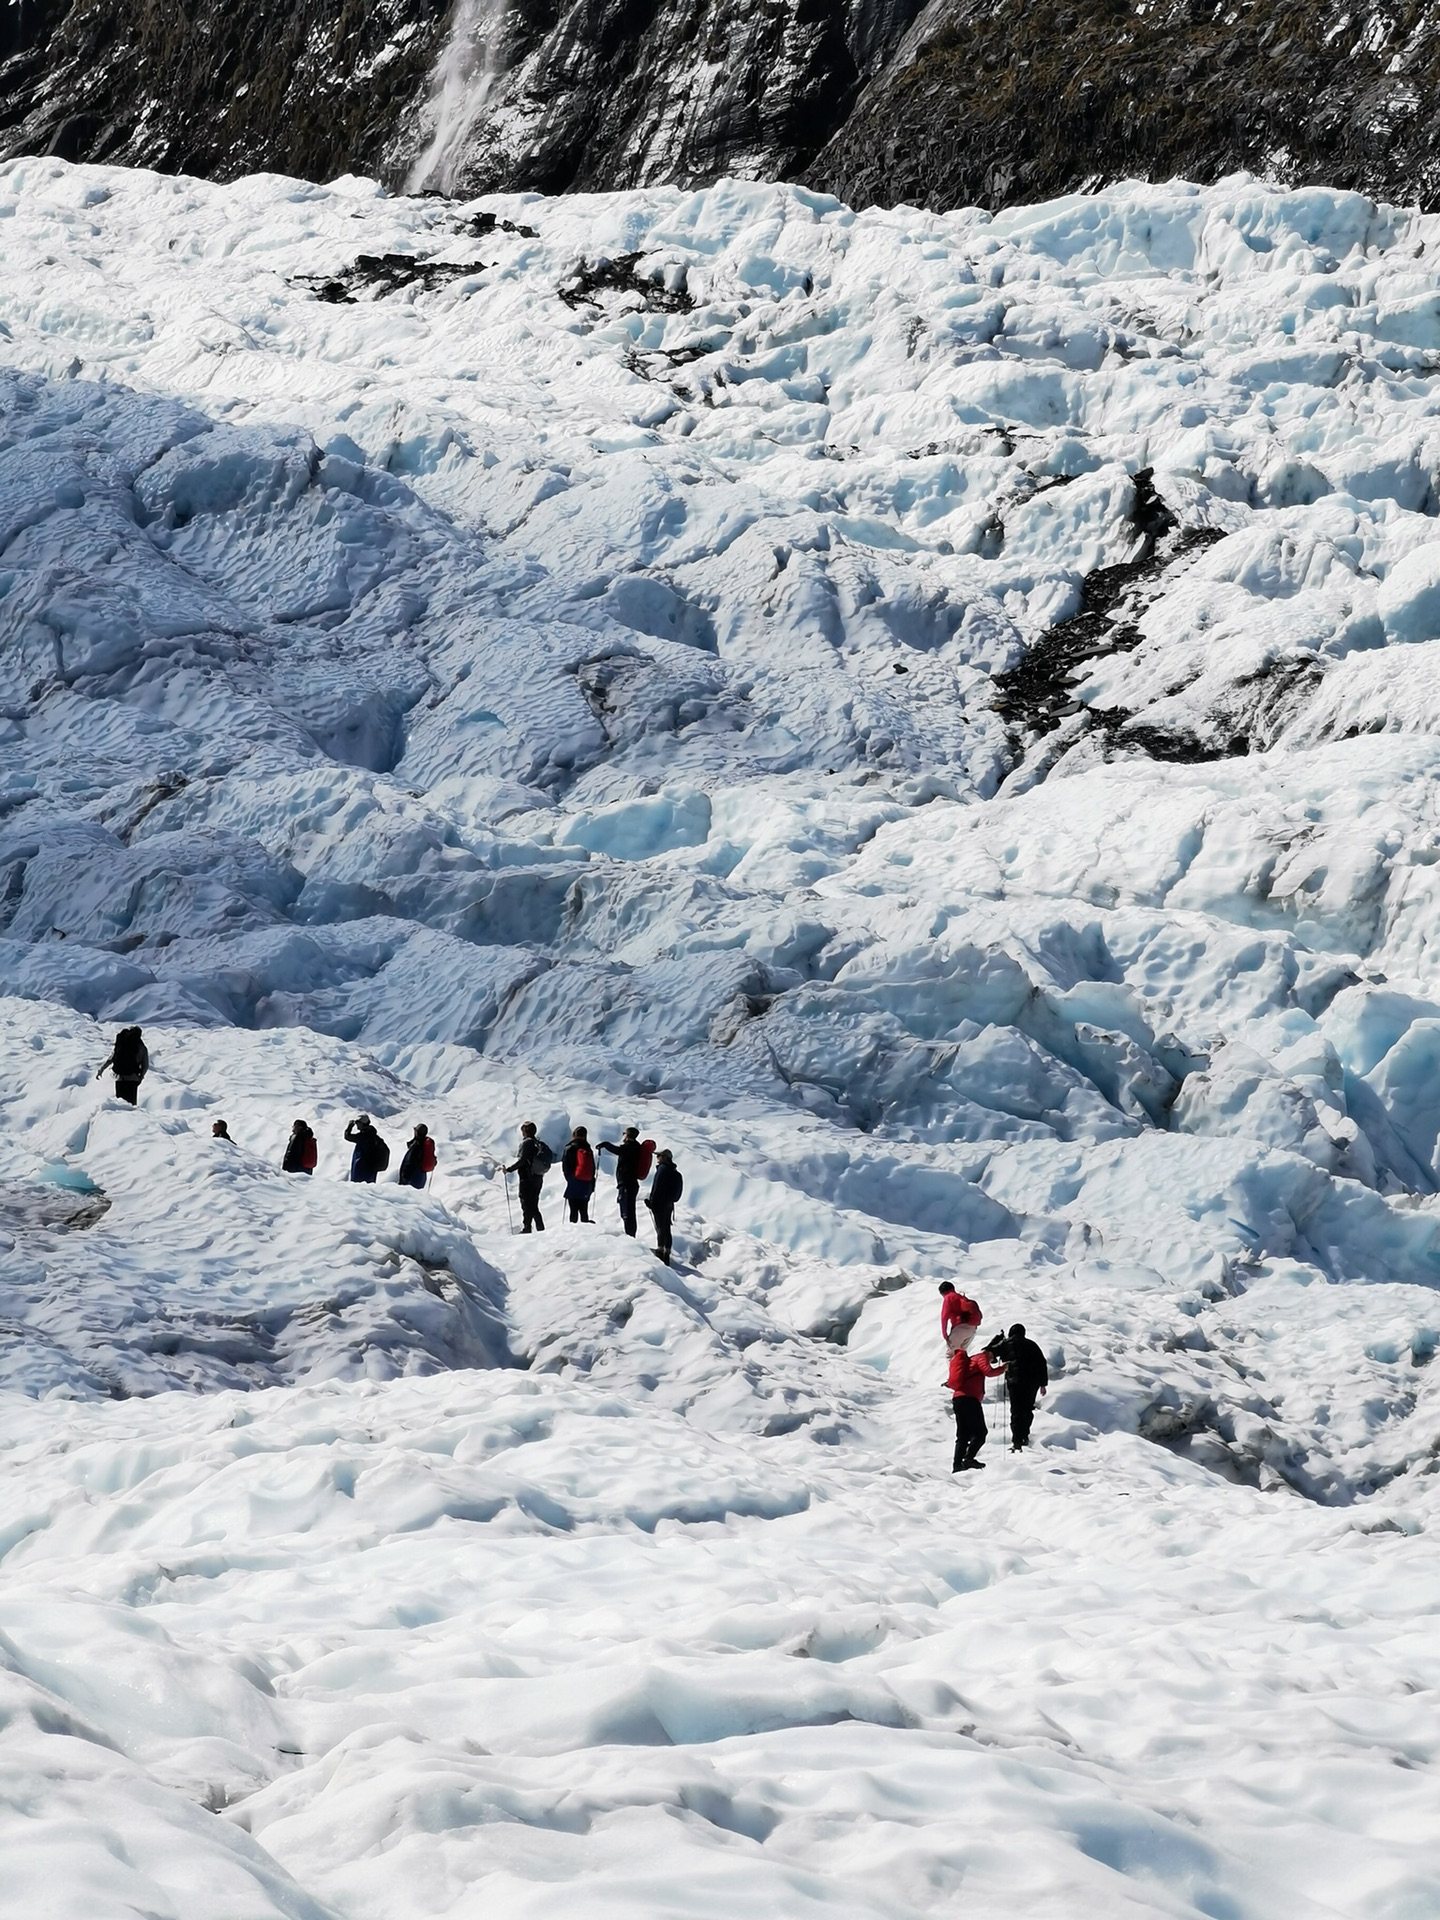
(1012, 1356)
(634, 1159)
(129, 1060)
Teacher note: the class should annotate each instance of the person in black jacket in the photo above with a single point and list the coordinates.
(532, 1163)
(665, 1190)
(418, 1158)
(1027, 1377)
(130, 1058)
(371, 1155)
(301, 1150)
(627, 1174)
(578, 1165)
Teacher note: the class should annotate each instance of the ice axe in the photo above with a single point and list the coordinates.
(508, 1214)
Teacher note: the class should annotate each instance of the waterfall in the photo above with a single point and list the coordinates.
(465, 75)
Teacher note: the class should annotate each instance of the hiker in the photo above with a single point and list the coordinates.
(417, 1162)
(1027, 1377)
(130, 1059)
(578, 1165)
(371, 1155)
(220, 1132)
(632, 1162)
(665, 1189)
(532, 1163)
(301, 1150)
(959, 1318)
(966, 1381)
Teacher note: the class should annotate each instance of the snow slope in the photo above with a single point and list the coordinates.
(930, 717)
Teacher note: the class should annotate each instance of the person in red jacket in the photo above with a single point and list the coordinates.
(959, 1318)
(966, 1381)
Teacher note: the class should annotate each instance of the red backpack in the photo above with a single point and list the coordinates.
(584, 1164)
(427, 1156)
(309, 1153)
(646, 1160)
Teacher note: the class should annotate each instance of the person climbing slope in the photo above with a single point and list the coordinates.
(1027, 1377)
(632, 1162)
(130, 1058)
(532, 1163)
(302, 1150)
(371, 1155)
(417, 1162)
(959, 1318)
(662, 1199)
(220, 1131)
(578, 1165)
(966, 1381)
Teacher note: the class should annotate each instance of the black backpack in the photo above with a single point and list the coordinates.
(128, 1058)
(380, 1154)
(544, 1158)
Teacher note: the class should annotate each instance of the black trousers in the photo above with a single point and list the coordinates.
(625, 1198)
(577, 1198)
(1022, 1414)
(664, 1218)
(127, 1090)
(530, 1206)
(970, 1429)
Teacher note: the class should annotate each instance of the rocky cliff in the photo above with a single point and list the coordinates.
(215, 87)
(989, 101)
(993, 102)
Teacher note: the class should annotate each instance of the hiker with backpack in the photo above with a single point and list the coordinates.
(578, 1165)
(966, 1381)
(302, 1150)
(959, 1318)
(1027, 1377)
(371, 1155)
(532, 1163)
(633, 1158)
(130, 1059)
(662, 1199)
(417, 1162)
(220, 1131)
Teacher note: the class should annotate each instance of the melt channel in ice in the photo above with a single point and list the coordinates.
(934, 718)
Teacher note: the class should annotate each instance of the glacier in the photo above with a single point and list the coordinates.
(932, 717)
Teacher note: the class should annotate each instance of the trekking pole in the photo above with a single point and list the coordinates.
(508, 1214)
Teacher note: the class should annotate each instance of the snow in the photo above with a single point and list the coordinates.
(568, 684)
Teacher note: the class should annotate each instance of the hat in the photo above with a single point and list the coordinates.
(1017, 1332)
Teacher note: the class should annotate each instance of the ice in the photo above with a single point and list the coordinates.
(931, 717)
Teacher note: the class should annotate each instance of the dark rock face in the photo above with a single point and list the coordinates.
(603, 93)
(610, 93)
(215, 87)
(994, 102)
(973, 101)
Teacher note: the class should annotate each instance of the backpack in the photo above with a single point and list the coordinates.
(645, 1159)
(128, 1058)
(584, 1165)
(309, 1152)
(379, 1155)
(427, 1156)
